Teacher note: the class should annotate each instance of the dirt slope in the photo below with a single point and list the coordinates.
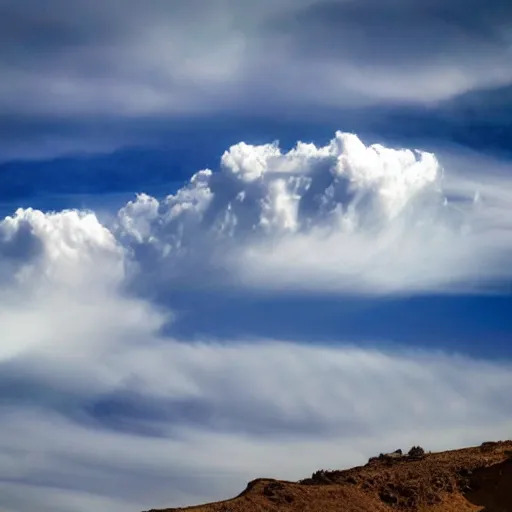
(468, 480)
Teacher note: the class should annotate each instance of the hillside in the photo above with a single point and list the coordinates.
(467, 480)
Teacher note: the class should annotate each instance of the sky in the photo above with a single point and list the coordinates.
(244, 240)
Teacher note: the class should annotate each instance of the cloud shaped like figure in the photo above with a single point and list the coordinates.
(102, 409)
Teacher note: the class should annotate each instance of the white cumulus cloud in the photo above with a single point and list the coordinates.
(344, 217)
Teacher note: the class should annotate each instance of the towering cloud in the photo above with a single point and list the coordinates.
(343, 217)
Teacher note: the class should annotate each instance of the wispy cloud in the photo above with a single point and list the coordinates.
(93, 65)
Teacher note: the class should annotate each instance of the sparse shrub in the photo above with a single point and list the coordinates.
(488, 446)
(416, 452)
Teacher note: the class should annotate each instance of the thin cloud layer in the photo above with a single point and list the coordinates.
(72, 73)
(99, 409)
(118, 418)
(150, 60)
(395, 50)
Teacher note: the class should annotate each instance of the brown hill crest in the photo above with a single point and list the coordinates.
(477, 479)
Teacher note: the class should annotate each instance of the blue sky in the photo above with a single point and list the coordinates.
(242, 240)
